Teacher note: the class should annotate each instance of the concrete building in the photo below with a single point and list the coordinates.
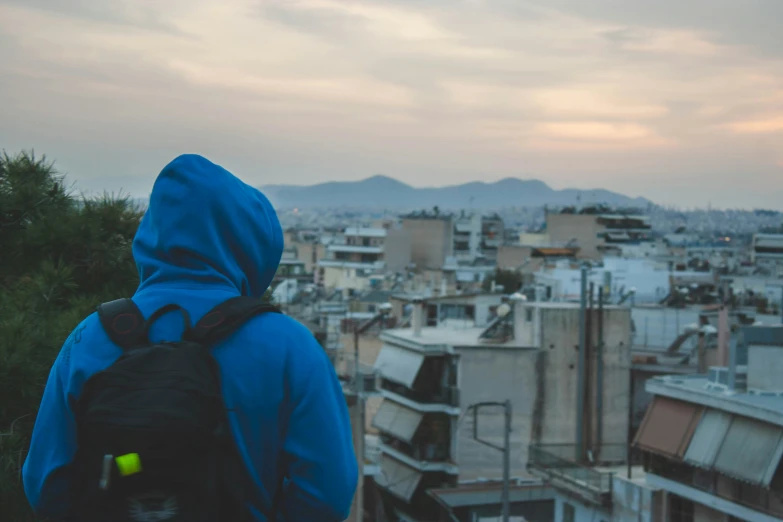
(713, 442)
(310, 253)
(467, 236)
(766, 252)
(360, 258)
(430, 377)
(432, 238)
(528, 259)
(306, 245)
(292, 267)
(650, 281)
(477, 235)
(540, 239)
(601, 490)
(493, 232)
(529, 501)
(469, 274)
(468, 310)
(595, 232)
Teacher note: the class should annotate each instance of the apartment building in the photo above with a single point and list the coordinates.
(713, 442)
(471, 310)
(493, 232)
(528, 259)
(596, 230)
(467, 235)
(363, 255)
(432, 238)
(766, 252)
(477, 235)
(529, 354)
(306, 246)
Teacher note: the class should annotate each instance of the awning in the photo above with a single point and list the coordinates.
(398, 364)
(397, 478)
(769, 242)
(751, 451)
(668, 426)
(707, 439)
(397, 420)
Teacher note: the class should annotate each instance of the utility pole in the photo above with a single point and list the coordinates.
(358, 386)
(505, 449)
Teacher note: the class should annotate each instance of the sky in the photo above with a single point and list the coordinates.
(680, 102)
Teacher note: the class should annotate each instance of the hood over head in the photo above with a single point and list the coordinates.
(205, 227)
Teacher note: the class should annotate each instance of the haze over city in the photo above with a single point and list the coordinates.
(681, 103)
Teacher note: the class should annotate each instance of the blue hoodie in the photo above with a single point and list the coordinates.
(206, 237)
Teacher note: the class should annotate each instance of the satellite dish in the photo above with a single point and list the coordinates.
(503, 310)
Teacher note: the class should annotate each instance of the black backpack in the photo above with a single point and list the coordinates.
(154, 443)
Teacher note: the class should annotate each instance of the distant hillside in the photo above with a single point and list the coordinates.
(388, 193)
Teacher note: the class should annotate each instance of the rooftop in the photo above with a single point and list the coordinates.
(481, 494)
(700, 389)
(437, 337)
(553, 305)
(410, 296)
(365, 232)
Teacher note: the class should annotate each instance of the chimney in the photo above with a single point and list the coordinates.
(418, 316)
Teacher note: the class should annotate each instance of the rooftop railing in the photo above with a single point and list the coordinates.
(559, 461)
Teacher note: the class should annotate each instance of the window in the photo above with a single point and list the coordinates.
(529, 315)
(680, 509)
(569, 513)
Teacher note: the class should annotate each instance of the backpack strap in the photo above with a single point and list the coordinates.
(226, 318)
(123, 322)
(163, 311)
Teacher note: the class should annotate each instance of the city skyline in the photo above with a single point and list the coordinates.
(681, 104)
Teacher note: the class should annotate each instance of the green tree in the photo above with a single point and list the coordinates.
(60, 256)
(510, 280)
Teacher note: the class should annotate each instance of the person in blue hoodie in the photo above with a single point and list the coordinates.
(206, 237)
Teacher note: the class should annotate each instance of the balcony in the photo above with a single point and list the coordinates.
(355, 249)
(446, 396)
(559, 465)
(727, 489)
(419, 450)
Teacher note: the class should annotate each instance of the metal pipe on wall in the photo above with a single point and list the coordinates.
(580, 378)
(589, 373)
(599, 399)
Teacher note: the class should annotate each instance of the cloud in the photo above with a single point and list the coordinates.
(320, 89)
(769, 125)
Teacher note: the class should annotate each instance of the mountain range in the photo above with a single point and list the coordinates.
(383, 192)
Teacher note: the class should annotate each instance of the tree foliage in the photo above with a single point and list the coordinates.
(509, 279)
(60, 256)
